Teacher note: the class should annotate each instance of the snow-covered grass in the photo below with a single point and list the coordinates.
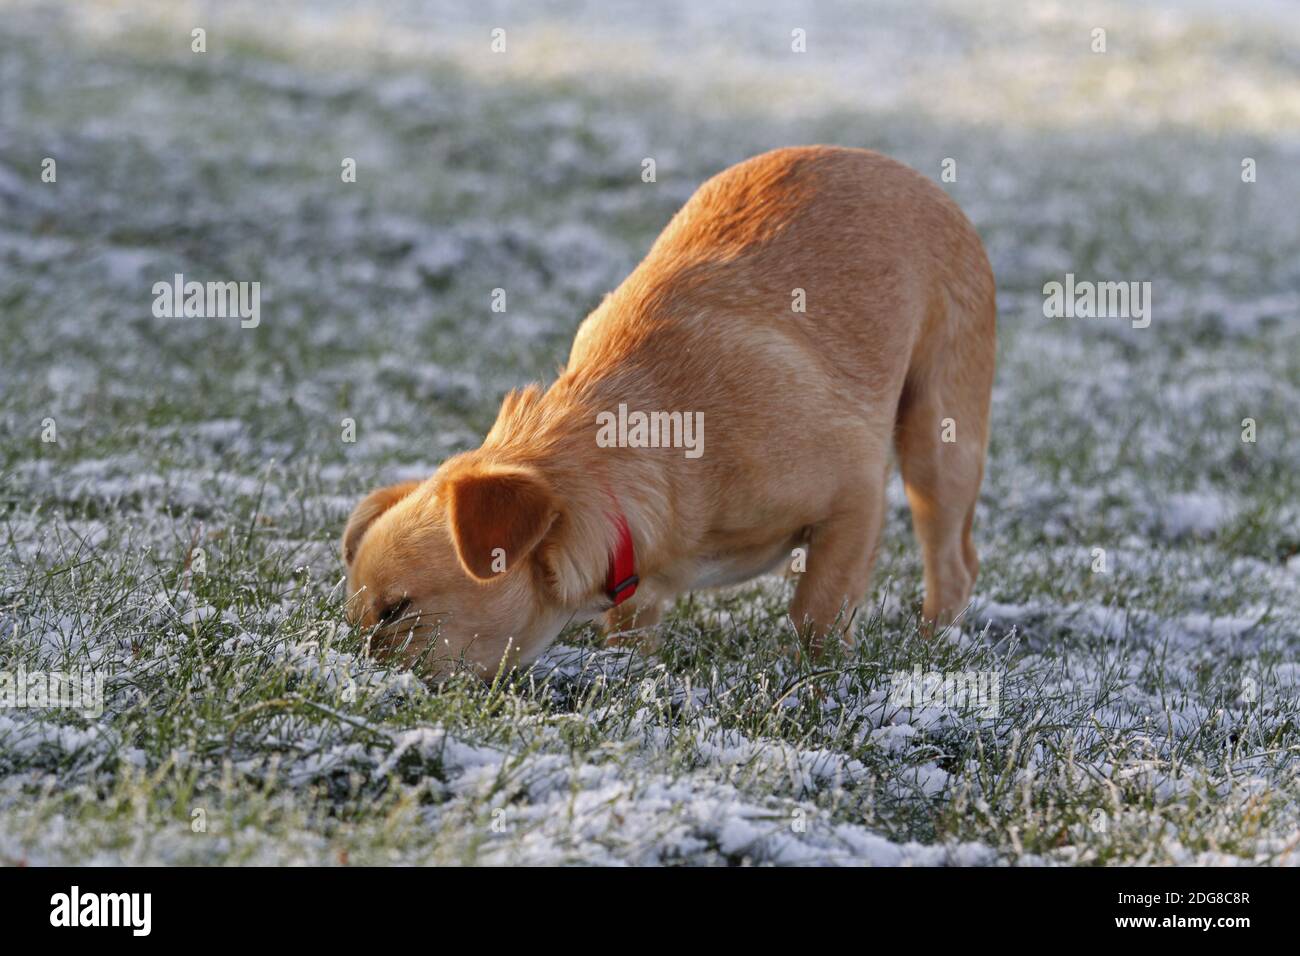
(1147, 713)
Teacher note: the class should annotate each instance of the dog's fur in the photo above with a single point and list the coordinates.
(801, 408)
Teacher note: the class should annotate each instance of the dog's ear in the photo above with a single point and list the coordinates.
(371, 507)
(497, 516)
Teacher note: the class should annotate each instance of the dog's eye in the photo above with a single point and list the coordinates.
(393, 612)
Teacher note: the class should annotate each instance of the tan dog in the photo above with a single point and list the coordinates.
(814, 307)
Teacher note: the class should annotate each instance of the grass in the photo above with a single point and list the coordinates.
(1148, 714)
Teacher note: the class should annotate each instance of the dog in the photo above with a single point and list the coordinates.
(817, 308)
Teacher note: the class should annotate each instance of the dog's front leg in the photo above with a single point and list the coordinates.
(634, 624)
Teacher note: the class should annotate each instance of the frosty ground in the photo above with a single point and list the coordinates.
(1147, 713)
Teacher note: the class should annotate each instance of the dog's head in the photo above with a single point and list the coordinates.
(448, 570)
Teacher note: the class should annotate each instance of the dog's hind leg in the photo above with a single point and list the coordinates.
(941, 436)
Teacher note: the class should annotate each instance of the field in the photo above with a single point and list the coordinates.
(178, 537)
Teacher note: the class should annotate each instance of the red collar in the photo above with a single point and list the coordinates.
(621, 579)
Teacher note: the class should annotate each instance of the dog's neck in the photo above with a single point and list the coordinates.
(597, 488)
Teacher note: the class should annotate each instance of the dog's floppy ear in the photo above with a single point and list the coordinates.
(371, 507)
(497, 516)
